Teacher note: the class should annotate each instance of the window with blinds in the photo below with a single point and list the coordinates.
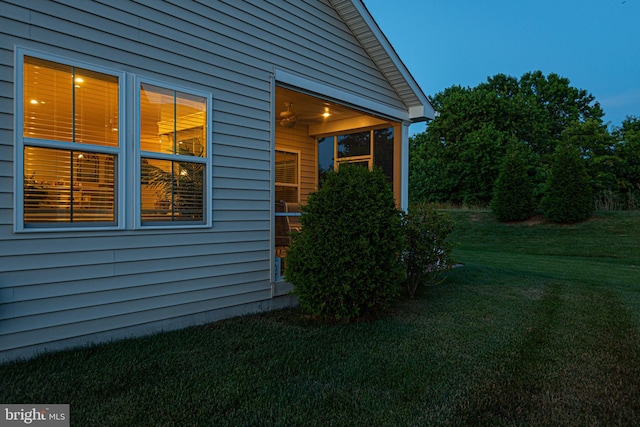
(173, 147)
(286, 184)
(70, 144)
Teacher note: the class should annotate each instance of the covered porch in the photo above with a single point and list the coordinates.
(313, 136)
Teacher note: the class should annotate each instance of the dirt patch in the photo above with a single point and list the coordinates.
(535, 220)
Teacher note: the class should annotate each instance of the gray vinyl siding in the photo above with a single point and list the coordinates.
(61, 285)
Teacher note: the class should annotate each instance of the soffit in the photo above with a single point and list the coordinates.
(365, 29)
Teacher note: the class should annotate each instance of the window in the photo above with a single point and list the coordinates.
(287, 182)
(69, 145)
(383, 149)
(354, 147)
(78, 168)
(173, 155)
(325, 157)
(368, 148)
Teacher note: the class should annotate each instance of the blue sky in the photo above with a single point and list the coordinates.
(593, 43)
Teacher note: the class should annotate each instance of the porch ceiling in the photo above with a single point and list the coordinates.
(309, 109)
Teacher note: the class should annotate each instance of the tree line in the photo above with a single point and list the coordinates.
(537, 121)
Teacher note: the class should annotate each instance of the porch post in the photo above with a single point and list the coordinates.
(404, 168)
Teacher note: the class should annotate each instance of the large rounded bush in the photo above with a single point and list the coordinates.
(568, 197)
(346, 260)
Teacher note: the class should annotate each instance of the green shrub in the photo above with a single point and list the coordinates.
(345, 262)
(568, 197)
(513, 191)
(427, 246)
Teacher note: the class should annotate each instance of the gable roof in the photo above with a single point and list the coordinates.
(366, 30)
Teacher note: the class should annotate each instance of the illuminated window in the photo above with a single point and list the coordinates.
(69, 145)
(287, 185)
(173, 162)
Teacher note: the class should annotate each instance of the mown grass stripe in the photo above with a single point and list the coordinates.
(560, 372)
(588, 270)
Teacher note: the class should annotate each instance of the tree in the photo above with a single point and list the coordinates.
(568, 197)
(513, 196)
(459, 155)
(432, 177)
(549, 106)
(597, 149)
(627, 149)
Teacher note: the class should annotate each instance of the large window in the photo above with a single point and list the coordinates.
(69, 145)
(87, 154)
(173, 147)
(372, 148)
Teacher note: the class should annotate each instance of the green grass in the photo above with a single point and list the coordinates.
(540, 327)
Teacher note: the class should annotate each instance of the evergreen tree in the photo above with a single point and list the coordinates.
(513, 197)
(568, 197)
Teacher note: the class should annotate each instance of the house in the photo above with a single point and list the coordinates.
(152, 152)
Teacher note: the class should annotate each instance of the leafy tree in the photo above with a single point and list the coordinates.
(431, 179)
(346, 260)
(568, 197)
(513, 193)
(627, 149)
(459, 155)
(479, 164)
(550, 106)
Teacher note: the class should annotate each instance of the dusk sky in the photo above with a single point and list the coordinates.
(593, 43)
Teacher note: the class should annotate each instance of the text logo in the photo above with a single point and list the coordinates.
(37, 415)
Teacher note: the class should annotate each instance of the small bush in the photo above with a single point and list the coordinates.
(568, 197)
(428, 248)
(513, 197)
(346, 261)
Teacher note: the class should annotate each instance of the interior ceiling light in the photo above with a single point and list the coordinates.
(288, 118)
(326, 112)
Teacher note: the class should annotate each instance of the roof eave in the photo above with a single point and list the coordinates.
(366, 30)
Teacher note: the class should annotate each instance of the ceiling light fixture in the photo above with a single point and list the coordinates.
(288, 118)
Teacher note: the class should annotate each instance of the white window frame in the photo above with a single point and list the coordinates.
(138, 154)
(352, 159)
(298, 173)
(21, 141)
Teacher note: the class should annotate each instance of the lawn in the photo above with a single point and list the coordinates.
(541, 326)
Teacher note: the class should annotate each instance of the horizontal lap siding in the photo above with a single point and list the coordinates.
(91, 320)
(6, 129)
(60, 285)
